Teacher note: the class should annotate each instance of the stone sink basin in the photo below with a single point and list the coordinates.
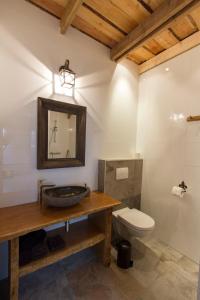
(64, 196)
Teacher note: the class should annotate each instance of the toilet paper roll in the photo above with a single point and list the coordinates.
(178, 191)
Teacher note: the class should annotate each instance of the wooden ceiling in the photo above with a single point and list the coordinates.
(148, 32)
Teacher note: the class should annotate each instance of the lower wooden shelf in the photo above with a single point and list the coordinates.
(81, 235)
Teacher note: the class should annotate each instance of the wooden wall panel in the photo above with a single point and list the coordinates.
(96, 27)
(62, 2)
(153, 3)
(154, 46)
(181, 47)
(195, 14)
(132, 8)
(88, 29)
(113, 14)
(135, 58)
(51, 6)
(166, 39)
(183, 28)
(108, 21)
(161, 19)
(141, 54)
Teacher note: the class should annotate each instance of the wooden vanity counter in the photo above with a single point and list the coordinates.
(18, 220)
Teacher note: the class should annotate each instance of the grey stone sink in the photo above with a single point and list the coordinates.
(64, 196)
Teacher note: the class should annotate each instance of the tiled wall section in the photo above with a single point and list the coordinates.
(170, 148)
(127, 190)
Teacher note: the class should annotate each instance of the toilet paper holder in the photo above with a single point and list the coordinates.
(183, 186)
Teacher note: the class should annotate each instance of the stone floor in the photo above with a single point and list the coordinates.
(159, 273)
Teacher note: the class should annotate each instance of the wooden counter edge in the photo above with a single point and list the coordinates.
(19, 233)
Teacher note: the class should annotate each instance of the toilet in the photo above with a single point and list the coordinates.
(130, 223)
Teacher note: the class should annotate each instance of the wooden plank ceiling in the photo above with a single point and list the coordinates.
(148, 32)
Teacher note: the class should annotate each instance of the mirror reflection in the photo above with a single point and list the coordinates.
(61, 135)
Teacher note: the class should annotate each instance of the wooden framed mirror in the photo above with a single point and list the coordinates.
(61, 132)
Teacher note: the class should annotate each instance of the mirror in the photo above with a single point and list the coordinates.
(61, 134)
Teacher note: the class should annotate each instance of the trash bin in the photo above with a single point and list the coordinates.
(124, 255)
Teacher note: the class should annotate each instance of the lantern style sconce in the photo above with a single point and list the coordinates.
(67, 76)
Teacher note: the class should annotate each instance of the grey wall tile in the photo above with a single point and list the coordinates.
(101, 175)
(127, 190)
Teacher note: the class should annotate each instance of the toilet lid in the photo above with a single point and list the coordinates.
(136, 219)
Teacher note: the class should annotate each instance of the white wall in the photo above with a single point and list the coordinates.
(198, 291)
(171, 149)
(31, 51)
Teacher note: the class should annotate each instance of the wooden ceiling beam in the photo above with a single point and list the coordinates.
(181, 47)
(50, 6)
(69, 13)
(160, 20)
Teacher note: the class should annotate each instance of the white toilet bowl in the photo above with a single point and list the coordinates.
(132, 223)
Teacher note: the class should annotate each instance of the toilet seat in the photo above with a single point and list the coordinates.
(134, 218)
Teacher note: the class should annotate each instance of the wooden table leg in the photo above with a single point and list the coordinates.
(103, 220)
(14, 268)
(107, 242)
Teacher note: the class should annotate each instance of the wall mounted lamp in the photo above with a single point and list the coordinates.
(67, 76)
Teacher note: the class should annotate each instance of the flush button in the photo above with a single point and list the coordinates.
(121, 173)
